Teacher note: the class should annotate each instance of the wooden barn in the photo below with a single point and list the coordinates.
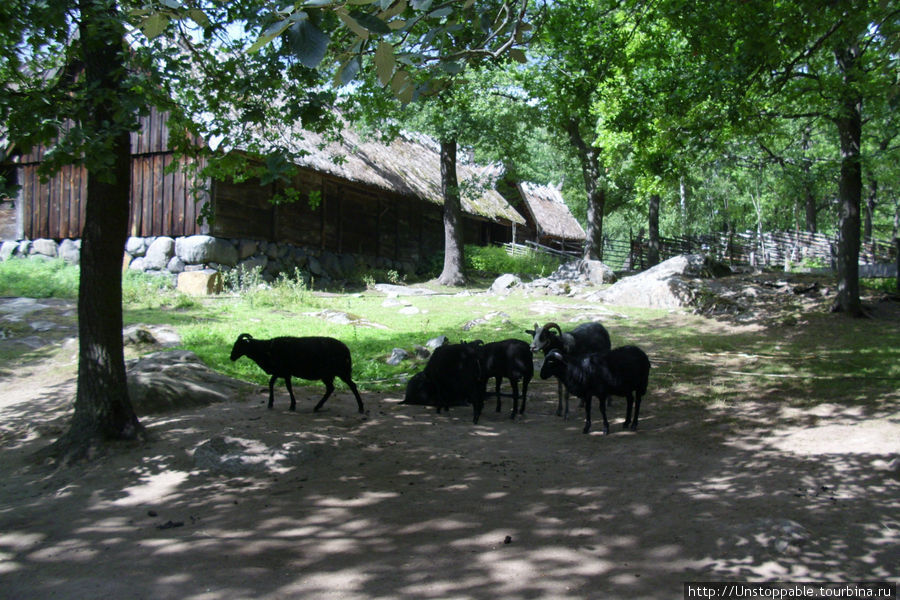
(548, 220)
(376, 199)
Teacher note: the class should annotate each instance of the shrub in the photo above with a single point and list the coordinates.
(494, 260)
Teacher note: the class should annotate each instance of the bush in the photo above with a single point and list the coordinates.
(494, 260)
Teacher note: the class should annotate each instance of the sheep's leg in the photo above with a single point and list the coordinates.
(602, 403)
(329, 388)
(497, 391)
(355, 391)
(287, 383)
(587, 415)
(559, 406)
(629, 403)
(515, 391)
(524, 394)
(272, 390)
(637, 408)
(477, 404)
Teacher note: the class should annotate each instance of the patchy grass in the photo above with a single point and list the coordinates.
(818, 358)
(50, 278)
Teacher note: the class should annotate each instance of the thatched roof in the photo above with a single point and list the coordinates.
(550, 213)
(409, 165)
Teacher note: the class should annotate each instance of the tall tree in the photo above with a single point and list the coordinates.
(797, 60)
(77, 74)
(578, 48)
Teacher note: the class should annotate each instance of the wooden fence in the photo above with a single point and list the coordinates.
(774, 249)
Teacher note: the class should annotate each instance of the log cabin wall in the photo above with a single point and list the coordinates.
(343, 218)
(162, 203)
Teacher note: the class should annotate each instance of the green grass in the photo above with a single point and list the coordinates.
(494, 260)
(822, 358)
(51, 278)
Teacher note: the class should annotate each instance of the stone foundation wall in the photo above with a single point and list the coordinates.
(172, 256)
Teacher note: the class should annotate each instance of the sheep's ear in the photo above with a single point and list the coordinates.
(530, 332)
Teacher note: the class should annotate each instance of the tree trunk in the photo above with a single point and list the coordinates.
(870, 210)
(593, 186)
(102, 408)
(454, 258)
(812, 212)
(653, 231)
(849, 126)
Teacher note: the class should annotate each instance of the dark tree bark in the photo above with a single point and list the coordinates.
(593, 186)
(653, 231)
(849, 126)
(102, 407)
(454, 258)
(812, 212)
(871, 200)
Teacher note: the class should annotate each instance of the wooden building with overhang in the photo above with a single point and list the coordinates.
(548, 220)
(357, 196)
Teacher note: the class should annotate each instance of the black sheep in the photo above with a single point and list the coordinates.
(510, 359)
(586, 338)
(455, 375)
(311, 358)
(623, 371)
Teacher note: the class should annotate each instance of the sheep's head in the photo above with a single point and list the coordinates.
(543, 337)
(553, 365)
(240, 346)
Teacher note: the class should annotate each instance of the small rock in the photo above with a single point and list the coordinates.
(398, 355)
(504, 283)
(436, 341)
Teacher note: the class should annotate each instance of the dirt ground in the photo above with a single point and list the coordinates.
(401, 503)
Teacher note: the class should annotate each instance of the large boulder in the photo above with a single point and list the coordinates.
(596, 272)
(200, 283)
(670, 284)
(70, 251)
(45, 247)
(8, 249)
(160, 252)
(505, 283)
(176, 380)
(204, 249)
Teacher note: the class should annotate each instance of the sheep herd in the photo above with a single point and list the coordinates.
(582, 360)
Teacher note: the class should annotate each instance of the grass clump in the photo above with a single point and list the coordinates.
(34, 278)
(494, 260)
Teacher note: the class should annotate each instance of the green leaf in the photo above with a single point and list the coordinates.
(452, 67)
(154, 25)
(403, 87)
(384, 62)
(351, 23)
(347, 72)
(269, 34)
(441, 12)
(308, 43)
(392, 11)
(517, 55)
(373, 24)
(198, 17)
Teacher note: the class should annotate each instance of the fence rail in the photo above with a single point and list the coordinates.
(773, 249)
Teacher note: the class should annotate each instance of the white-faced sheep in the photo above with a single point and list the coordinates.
(584, 339)
(314, 358)
(510, 359)
(623, 371)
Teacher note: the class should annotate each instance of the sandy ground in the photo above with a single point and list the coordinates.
(401, 503)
